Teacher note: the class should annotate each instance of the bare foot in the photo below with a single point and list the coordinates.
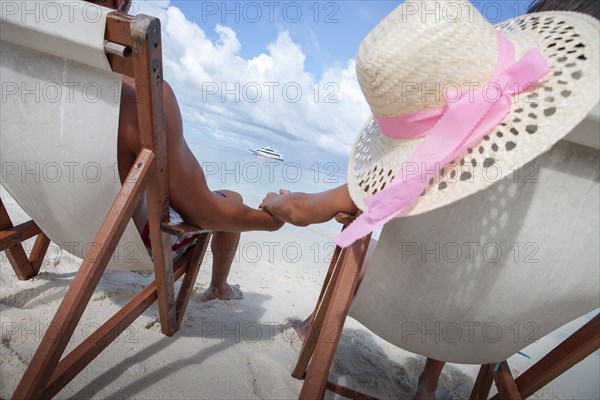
(301, 327)
(229, 292)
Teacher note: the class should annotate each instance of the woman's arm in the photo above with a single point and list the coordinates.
(303, 209)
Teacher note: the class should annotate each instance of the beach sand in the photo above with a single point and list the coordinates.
(241, 349)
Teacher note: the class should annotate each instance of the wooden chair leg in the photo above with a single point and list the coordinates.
(58, 334)
(15, 253)
(147, 68)
(94, 344)
(38, 252)
(483, 384)
(505, 383)
(187, 284)
(310, 341)
(571, 351)
(334, 260)
(20, 263)
(10, 242)
(343, 291)
(165, 280)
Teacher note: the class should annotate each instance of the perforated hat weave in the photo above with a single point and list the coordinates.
(407, 63)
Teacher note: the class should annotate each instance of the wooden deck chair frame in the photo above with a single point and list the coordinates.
(341, 282)
(47, 373)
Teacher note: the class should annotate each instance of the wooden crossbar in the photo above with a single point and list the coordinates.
(181, 229)
(15, 235)
(10, 242)
(346, 392)
(71, 309)
(94, 344)
(571, 351)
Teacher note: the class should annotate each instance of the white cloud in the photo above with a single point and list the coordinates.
(264, 99)
(262, 63)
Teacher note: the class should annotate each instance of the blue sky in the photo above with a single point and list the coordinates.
(282, 73)
(328, 31)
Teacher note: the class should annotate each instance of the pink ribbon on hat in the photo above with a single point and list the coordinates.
(447, 132)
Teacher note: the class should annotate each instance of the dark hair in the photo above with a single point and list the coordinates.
(590, 7)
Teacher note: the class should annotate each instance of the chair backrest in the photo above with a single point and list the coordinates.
(59, 130)
(478, 280)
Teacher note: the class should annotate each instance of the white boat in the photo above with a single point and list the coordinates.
(267, 152)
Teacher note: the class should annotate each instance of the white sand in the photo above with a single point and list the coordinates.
(224, 350)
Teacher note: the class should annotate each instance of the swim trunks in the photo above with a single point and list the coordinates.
(179, 244)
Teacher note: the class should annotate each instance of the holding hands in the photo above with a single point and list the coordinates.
(283, 205)
(302, 209)
(272, 197)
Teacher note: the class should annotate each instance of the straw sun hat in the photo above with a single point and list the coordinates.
(459, 104)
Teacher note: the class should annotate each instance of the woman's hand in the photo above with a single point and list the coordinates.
(284, 205)
(270, 199)
(304, 209)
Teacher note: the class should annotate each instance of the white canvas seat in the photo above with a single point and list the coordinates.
(59, 128)
(477, 281)
(61, 80)
(480, 279)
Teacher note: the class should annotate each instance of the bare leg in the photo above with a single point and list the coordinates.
(223, 246)
(189, 193)
(301, 327)
(428, 380)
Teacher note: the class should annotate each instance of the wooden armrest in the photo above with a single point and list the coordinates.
(344, 219)
(182, 230)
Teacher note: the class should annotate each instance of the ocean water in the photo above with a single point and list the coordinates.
(232, 167)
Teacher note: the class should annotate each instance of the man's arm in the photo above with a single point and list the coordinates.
(303, 209)
(189, 193)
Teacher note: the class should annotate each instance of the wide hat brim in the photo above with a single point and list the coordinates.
(536, 121)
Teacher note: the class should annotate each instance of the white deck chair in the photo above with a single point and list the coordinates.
(61, 77)
(427, 293)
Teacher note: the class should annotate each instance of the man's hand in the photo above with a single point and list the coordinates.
(270, 197)
(287, 206)
(302, 209)
(277, 223)
(266, 203)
